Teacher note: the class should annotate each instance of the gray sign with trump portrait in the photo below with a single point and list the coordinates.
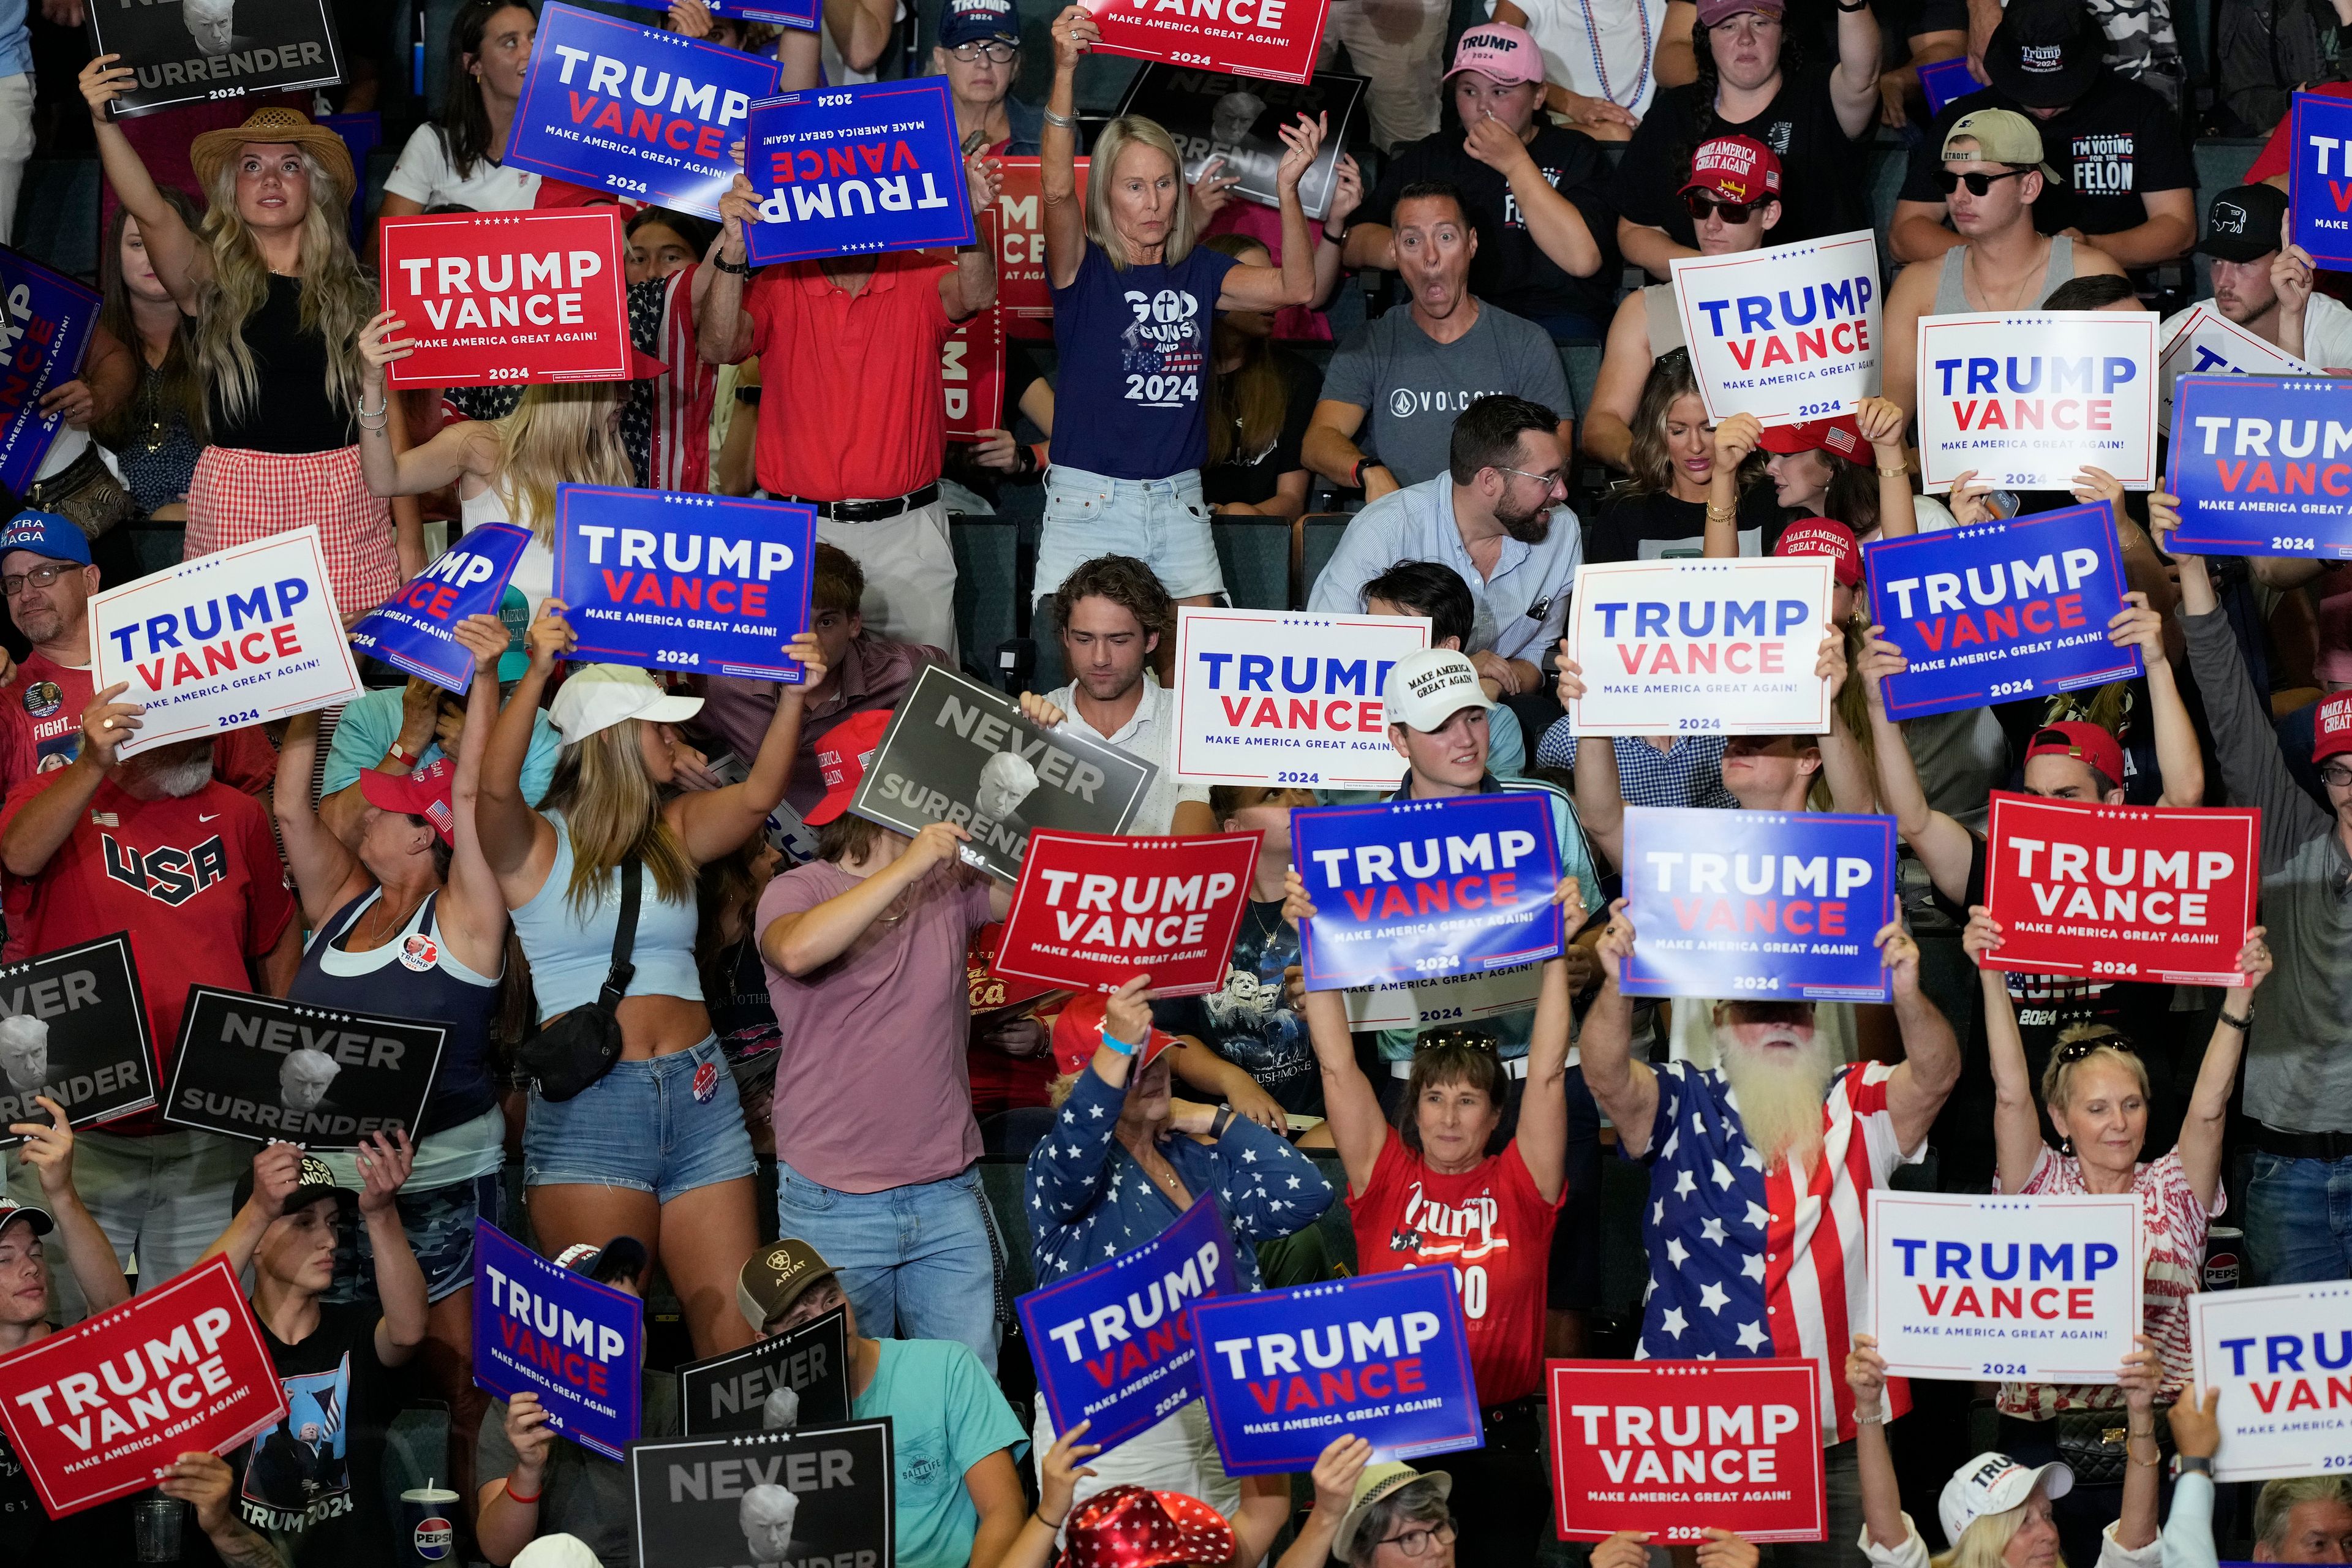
(193, 52)
(257, 1066)
(73, 1028)
(958, 752)
(819, 1494)
(1236, 120)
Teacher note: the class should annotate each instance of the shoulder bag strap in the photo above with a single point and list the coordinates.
(624, 936)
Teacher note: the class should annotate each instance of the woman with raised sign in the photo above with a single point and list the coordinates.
(1134, 301)
(648, 1136)
(2096, 1088)
(409, 923)
(1998, 1511)
(1125, 1163)
(277, 302)
(1445, 1187)
(506, 470)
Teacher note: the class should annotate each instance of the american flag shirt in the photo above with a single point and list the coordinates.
(1745, 1262)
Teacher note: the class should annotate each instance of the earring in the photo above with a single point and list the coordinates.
(2066, 1147)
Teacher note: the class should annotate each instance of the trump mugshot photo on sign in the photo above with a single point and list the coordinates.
(73, 1026)
(1269, 697)
(807, 1499)
(240, 637)
(2026, 399)
(1758, 905)
(1719, 647)
(255, 1067)
(2045, 1289)
(201, 50)
(645, 113)
(2262, 465)
(1789, 333)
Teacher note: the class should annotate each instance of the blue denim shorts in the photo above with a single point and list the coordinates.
(1163, 523)
(664, 1126)
(440, 1226)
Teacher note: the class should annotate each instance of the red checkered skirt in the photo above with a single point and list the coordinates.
(239, 496)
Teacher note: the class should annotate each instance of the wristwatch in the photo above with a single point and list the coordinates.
(739, 269)
(1224, 1118)
(2197, 1465)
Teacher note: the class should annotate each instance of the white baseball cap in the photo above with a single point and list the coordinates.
(599, 696)
(1428, 688)
(556, 1552)
(1995, 1483)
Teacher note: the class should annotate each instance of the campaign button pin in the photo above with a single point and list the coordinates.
(706, 1083)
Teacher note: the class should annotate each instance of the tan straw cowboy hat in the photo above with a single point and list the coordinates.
(211, 151)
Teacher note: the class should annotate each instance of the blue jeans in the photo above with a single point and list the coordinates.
(2298, 1219)
(916, 1261)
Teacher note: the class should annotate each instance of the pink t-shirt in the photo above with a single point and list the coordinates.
(2172, 1242)
(872, 1091)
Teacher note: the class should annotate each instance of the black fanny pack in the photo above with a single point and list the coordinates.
(581, 1046)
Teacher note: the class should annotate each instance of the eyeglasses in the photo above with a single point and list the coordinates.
(1703, 206)
(997, 52)
(1458, 1039)
(1976, 180)
(1556, 480)
(2074, 1051)
(39, 577)
(2336, 776)
(1415, 1542)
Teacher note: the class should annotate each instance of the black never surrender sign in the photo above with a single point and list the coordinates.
(73, 1026)
(817, 1495)
(738, 1392)
(255, 1067)
(193, 52)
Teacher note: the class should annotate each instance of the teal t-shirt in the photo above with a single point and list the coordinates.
(371, 724)
(946, 1415)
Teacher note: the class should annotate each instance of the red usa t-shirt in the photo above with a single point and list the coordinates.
(1494, 1229)
(195, 882)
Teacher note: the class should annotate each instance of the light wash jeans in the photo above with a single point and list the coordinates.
(916, 1261)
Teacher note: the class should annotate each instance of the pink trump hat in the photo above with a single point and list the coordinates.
(1498, 50)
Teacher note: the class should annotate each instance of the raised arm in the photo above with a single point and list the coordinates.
(1293, 283)
(1944, 848)
(1358, 1129)
(1066, 1174)
(1853, 86)
(385, 1164)
(2016, 1120)
(971, 286)
(48, 1148)
(1075, 32)
(461, 448)
(181, 261)
(1881, 422)
(1852, 787)
(326, 874)
(473, 912)
(1734, 439)
(1543, 1105)
(716, 822)
(723, 330)
(1599, 793)
(515, 841)
(1882, 1496)
(2140, 1376)
(2179, 759)
(1625, 1089)
(2208, 1102)
(1919, 1087)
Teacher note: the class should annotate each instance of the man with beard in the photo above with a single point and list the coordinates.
(2265, 286)
(1489, 517)
(1114, 617)
(46, 571)
(1759, 1169)
(1402, 379)
(156, 846)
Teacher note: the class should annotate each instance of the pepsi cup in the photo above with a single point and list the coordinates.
(429, 1523)
(2224, 1246)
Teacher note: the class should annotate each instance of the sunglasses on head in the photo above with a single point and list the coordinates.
(1700, 205)
(1976, 180)
(1465, 1039)
(2074, 1051)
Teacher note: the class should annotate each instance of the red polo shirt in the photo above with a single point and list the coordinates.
(853, 409)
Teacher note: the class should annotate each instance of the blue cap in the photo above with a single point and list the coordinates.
(972, 21)
(46, 533)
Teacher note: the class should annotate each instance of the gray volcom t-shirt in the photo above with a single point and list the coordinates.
(1411, 387)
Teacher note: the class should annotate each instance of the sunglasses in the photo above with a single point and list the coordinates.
(1458, 1038)
(1976, 180)
(1701, 205)
(2074, 1051)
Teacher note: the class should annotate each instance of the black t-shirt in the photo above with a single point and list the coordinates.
(1248, 1022)
(312, 1482)
(1656, 526)
(1249, 483)
(1823, 191)
(290, 413)
(2110, 146)
(1511, 270)
(2047, 1006)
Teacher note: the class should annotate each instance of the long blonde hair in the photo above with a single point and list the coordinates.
(337, 298)
(612, 809)
(1134, 130)
(1988, 1536)
(561, 433)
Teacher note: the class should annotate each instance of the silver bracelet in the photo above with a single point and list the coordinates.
(1877, 1420)
(1061, 121)
(363, 411)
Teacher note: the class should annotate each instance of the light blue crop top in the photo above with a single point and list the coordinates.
(570, 956)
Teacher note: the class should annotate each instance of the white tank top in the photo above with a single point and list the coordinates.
(534, 573)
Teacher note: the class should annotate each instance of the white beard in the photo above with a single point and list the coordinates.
(1779, 1090)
